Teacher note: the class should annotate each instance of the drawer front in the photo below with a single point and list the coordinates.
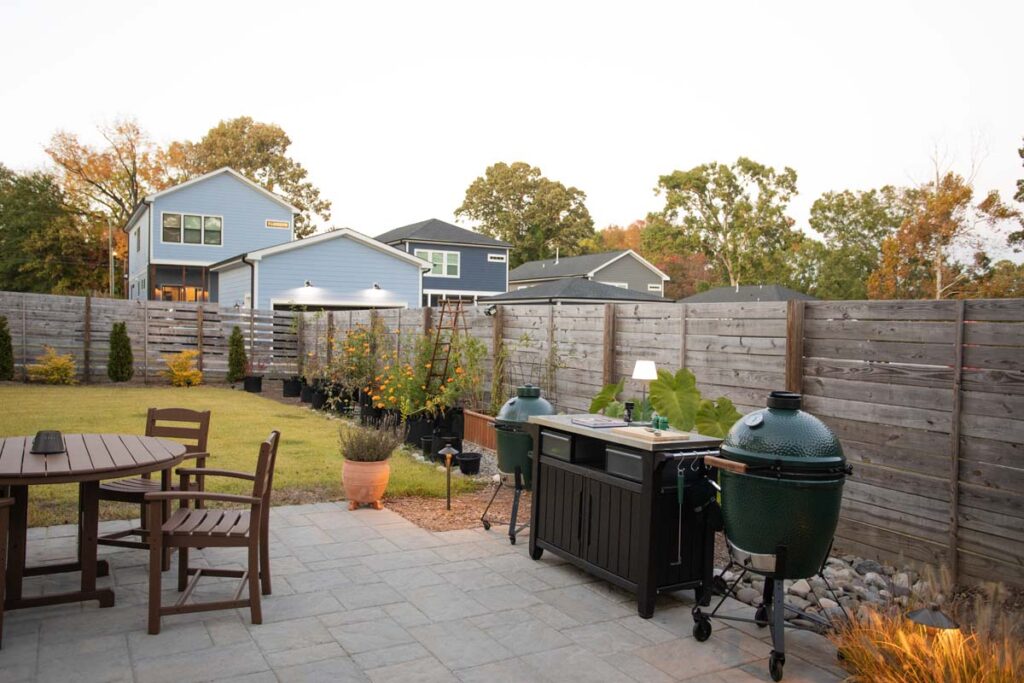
(623, 463)
(556, 445)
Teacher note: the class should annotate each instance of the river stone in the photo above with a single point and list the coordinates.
(827, 603)
(749, 596)
(800, 588)
(875, 580)
(797, 602)
(865, 566)
(922, 588)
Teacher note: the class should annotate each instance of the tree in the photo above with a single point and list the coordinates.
(689, 274)
(236, 356)
(734, 215)
(1016, 238)
(6, 351)
(516, 203)
(120, 363)
(259, 151)
(1004, 279)
(45, 247)
(853, 225)
(615, 238)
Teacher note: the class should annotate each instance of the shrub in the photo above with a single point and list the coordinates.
(6, 351)
(120, 363)
(371, 444)
(53, 368)
(236, 356)
(181, 369)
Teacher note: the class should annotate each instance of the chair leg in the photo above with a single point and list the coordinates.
(165, 564)
(4, 521)
(182, 568)
(156, 542)
(255, 609)
(265, 558)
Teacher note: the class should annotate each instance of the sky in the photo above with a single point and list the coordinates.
(396, 107)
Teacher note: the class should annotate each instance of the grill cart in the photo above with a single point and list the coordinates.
(781, 472)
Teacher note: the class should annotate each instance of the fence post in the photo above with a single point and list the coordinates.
(145, 340)
(608, 345)
(24, 339)
(954, 437)
(252, 335)
(87, 340)
(682, 335)
(330, 337)
(199, 335)
(427, 315)
(300, 341)
(794, 345)
(549, 375)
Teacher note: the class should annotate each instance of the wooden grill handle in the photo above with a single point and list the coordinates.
(723, 464)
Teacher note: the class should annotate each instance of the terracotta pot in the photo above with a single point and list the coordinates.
(365, 482)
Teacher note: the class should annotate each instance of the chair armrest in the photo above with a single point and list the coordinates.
(200, 495)
(207, 472)
(196, 456)
(6, 502)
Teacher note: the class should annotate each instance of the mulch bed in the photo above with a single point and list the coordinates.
(430, 513)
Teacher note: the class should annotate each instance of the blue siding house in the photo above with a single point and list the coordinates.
(340, 269)
(464, 264)
(174, 236)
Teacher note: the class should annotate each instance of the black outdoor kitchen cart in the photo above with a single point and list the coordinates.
(611, 505)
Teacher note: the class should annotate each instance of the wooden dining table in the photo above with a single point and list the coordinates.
(86, 460)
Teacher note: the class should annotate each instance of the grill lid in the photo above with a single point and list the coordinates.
(784, 437)
(525, 403)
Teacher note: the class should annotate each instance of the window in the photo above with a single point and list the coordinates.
(193, 229)
(138, 239)
(654, 288)
(180, 293)
(496, 258)
(443, 263)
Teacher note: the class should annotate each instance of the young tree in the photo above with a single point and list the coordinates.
(120, 363)
(516, 203)
(6, 351)
(259, 151)
(734, 215)
(614, 238)
(237, 360)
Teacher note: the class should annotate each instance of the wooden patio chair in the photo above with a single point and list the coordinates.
(192, 426)
(5, 518)
(191, 527)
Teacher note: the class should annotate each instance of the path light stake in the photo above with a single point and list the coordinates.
(448, 452)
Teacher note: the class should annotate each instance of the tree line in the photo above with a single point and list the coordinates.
(720, 224)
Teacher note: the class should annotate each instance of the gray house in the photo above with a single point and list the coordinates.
(624, 269)
(744, 293)
(465, 265)
(572, 290)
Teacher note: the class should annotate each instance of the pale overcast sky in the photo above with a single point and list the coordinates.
(396, 107)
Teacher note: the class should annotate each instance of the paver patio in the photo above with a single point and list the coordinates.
(368, 596)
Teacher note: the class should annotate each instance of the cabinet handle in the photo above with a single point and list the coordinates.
(579, 520)
(590, 514)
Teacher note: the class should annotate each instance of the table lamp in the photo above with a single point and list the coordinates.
(645, 371)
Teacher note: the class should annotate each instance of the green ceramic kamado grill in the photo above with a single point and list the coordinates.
(781, 472)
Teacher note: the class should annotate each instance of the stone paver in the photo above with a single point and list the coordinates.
(368, 596)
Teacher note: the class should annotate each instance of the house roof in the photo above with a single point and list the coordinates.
(575, 266)
(747, 293)
(259, 254)
(434, 230)
(571, 290)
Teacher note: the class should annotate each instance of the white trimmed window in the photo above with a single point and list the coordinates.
(443, 263)
(190, 228)
(497, 258)
(138, 239)
(654, 288)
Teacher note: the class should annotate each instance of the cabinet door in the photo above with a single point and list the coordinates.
(560, 499)
(612, 524)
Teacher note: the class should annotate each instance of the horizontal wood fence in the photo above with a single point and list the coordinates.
(927, 397)
(81, 326)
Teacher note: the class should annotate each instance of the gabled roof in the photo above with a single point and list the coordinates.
(572, 290)
(747, 293)
(575, 266)
(259, 254)
(232, 172)
(434, 230)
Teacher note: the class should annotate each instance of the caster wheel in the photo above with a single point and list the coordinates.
(702, 630)
(512, 540)
(719, 586)
(775, 664)
(487, 526)
(761, 616)
(536, 553)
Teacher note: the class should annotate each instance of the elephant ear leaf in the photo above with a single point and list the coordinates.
(676, 397)
(606, 396)
(715, 418)
(615, 409)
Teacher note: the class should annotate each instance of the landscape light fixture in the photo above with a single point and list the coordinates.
(376, 285)
(932, 617)
(644, 371)
(308, 283)
(448, 452)
(491, 310)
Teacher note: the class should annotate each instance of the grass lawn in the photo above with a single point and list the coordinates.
(308, 462)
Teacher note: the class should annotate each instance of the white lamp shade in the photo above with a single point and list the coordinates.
(645, 370)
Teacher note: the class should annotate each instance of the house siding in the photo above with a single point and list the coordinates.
(137, 260)
(233, 285)
(627, 269)
(342, 272)
(476, 273)
(244, 209)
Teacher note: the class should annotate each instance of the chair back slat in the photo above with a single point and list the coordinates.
(191, 426)
(265, 469)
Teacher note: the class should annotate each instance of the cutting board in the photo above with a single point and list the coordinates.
(643, 434)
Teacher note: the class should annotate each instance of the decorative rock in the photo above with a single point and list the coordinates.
(875, 580)
(885, 595)
(827, 603)
(797, 602)
(865, 566)
(835, 614)
(749, 596)
(922, 588)
(800, 588)
(901, 579)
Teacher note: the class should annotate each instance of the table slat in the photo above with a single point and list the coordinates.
(11, 455)
(102, 459)
(78, 454)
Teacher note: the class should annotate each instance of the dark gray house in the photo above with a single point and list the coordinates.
(465, 265)
(624, 269)
(572, 290)
(743, 293)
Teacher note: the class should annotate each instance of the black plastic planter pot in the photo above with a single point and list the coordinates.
(427, 446)
(291, 387)
(417, 428)
(306, 393)
(442, 441)
(319, 399)
(254, 385)
(469, 463)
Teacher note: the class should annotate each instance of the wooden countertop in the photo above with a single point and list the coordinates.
(564, 423)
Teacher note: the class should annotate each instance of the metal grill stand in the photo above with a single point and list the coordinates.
(517, 493)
